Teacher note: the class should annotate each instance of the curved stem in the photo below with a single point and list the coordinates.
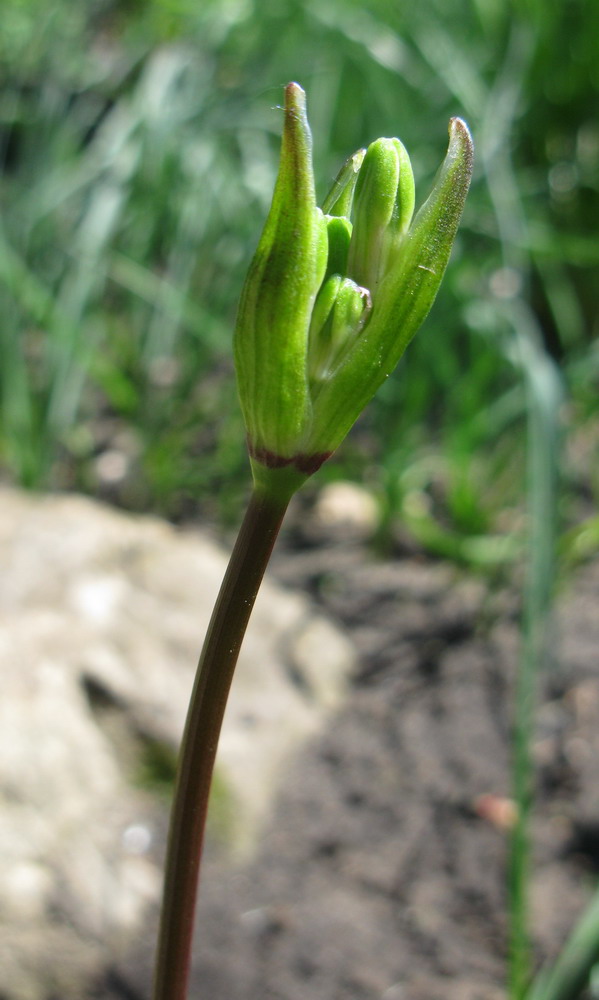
(227, 627)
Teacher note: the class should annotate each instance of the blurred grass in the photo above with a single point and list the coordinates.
(139, 143)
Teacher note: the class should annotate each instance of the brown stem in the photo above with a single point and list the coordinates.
(234, 604)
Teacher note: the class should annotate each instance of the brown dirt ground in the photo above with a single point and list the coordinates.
(382, 875)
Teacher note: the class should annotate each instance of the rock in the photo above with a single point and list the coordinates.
(102, 616)
(348, 507)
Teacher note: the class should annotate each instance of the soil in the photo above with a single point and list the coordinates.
(382, 874)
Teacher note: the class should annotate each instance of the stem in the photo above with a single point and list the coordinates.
(519, 860)
(226, 630)
(543, 401)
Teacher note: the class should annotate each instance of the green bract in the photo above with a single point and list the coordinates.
(331, 301)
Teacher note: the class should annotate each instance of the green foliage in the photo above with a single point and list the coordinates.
(576, 964)
(139, 141)
(156, 766)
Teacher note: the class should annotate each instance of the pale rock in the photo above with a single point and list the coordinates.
(102, 616)
(347, 505)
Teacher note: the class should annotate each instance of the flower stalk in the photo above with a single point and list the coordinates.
(226, 630)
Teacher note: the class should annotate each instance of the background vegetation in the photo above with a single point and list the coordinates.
(139, 141)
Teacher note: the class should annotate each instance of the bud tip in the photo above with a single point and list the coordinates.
(460, 133)
(295, 97)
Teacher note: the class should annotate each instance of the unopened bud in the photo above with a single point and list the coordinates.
(331, 301)
(339, 232)
(340, 313)
(383, 208)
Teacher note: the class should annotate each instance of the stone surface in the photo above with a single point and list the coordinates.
(102, 616)
(349, 507)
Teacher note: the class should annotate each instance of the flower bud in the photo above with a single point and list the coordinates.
(331, 302)
(339, 232)
(402, 299)
(340, 313)
(383, 208)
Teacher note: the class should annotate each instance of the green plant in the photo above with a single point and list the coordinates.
(312, 346)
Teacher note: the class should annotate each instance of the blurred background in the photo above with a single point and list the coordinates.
(138, 149)
(139, 143)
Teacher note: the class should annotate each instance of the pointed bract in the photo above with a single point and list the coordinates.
(271, 337)
(340, 198)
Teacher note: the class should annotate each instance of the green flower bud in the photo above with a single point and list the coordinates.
(383, 209)
(339, 232)
(402, 300)
(340, 313)
(331, 302)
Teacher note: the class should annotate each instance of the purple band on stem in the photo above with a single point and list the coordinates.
(303, 463)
